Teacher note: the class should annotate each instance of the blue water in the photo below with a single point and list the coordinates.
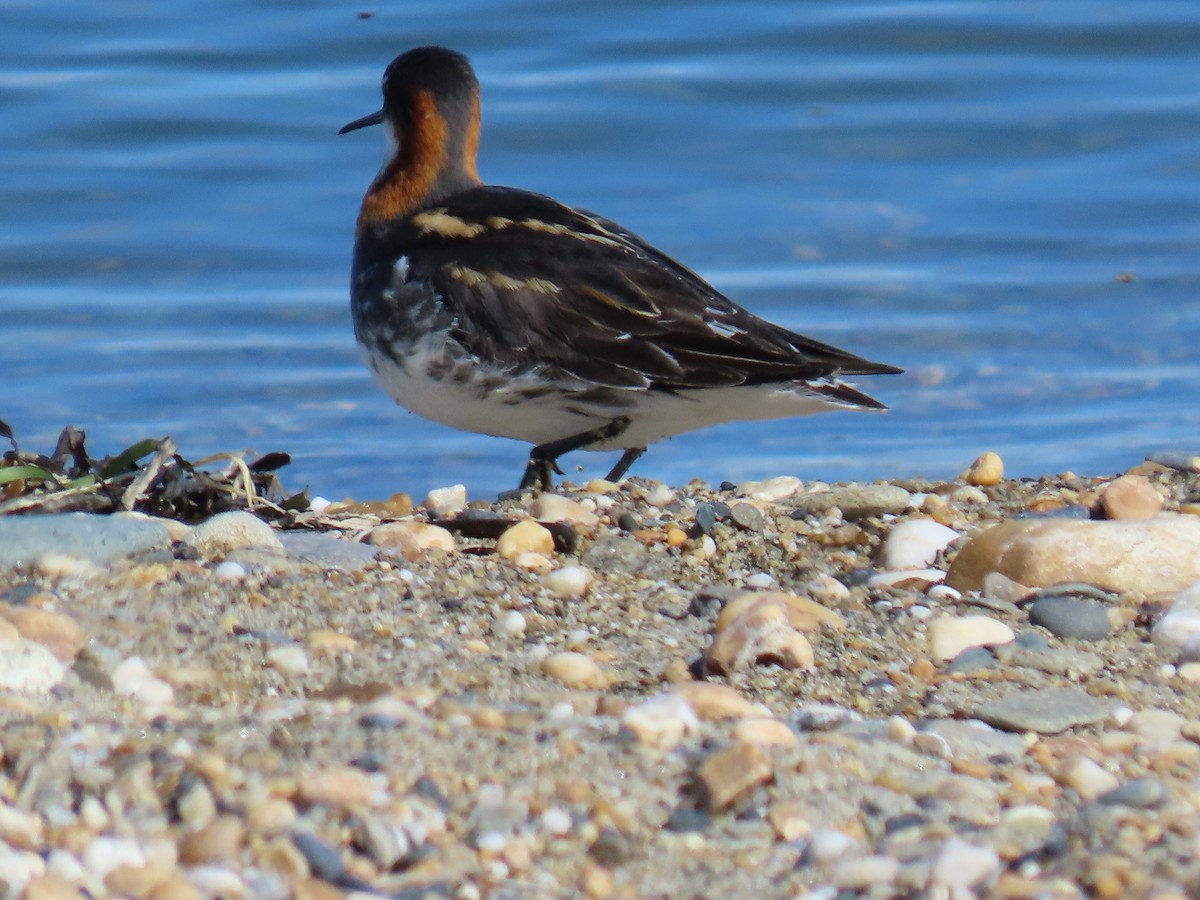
(1002, 197)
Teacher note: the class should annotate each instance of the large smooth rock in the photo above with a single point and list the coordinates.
(1141, 557)
(100, 539)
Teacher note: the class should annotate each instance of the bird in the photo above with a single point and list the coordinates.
(504, 312)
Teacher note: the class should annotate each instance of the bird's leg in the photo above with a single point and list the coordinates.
(628, 458)
(543, 459)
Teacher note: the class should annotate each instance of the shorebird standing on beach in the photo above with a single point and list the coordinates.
(501, 311)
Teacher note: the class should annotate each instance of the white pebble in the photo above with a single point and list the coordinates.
(943, 592)
(216, 881)
(569, 581)
(920, 613)
(1088, 778)
(133, 678)
(770, 490)
(960, 866)
(290, 659)
(951, 635)
(1181, 621)
(662, 721)
(660, 495)
(105, 854)
(760, 580)
(556, 821)
(319, 504)
(510, 624)
(446, 501)
(230, 571)
(915, 543)
(19, 868)
(231, 531)
(27, 667)
(491, 842)
(828, 844)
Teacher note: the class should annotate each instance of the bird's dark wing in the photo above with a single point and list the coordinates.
(533, 282)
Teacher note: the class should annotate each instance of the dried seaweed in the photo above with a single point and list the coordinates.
(149, 476)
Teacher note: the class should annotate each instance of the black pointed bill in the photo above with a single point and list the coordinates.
(375, 118)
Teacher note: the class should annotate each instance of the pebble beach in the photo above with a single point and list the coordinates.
(782, 688)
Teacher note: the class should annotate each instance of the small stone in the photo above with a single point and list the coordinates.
(510, 624)
(58, 633)
(1000, 587)
(714, 702)
(133, 678)
(446, 501)
(230, 571)
(575, 670)
(988, 469)
(662, 721)
(727, 774)
(709, 514)
(1181, 621)
(676, 536)
(556, 821)
(527, 536)
(327, 642)
(1070, 617)
(828, 844)
(410, 539)
(760, 635)
(747, 517)
(801, 613)
(764, 732)
(537, 563)
(1131, 497)
(342, 787)
(857, 501)
(951, 635)
(915, 544)
(569, 581)
(290, 659)
(218, 842)
(555, 508)
(1046, 711)
(960, 866)
(28, 668)
(1181, 460)
(327, 551)
(1088, 778)
(1145, 557)
(771, 490)
(789, 820)
(1138, 793)
(865, 872)
(231, 531)
(822, 717)
(971, 660)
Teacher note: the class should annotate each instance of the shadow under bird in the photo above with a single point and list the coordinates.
(505, 312)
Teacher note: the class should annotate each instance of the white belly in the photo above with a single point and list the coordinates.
(527, 408)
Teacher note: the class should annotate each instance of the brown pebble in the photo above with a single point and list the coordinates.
(176, 887)
(761, 634)
(714, 702)
(726, 775)
(988, 469)
(58, 633)
(527, 536)
(411, 539)
(343, 787)
(220, 841)
(575, 670)
(1131, 497)
(51, 887)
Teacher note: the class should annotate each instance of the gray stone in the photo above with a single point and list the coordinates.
(1140, 793)
(747, 517)
(1070, 617)
(1047, 711)
(857, 501)
(972, 739)
(1053, 661)
(971, 660)
(101, 539)
(327, 551)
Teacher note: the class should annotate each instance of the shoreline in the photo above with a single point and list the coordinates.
(614, 691)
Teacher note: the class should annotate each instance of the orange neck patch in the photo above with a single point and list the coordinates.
(423, 162)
